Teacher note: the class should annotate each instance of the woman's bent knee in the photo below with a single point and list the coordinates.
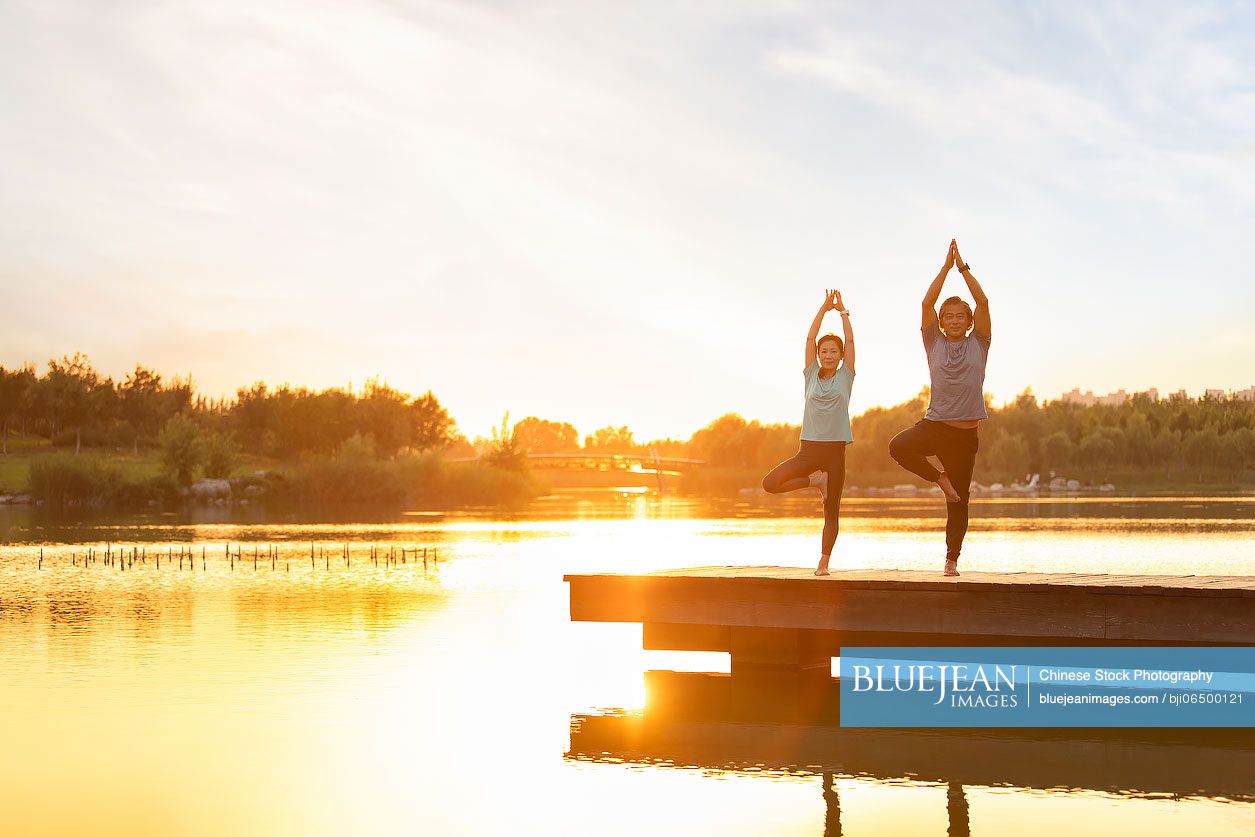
(897, 448)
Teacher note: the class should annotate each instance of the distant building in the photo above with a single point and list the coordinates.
(1115, 399)
(1087, 399)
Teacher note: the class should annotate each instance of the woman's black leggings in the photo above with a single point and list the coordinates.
(795, 473)
(956, 448)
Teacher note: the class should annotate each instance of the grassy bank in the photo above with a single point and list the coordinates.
(352, 478)
(730, 481)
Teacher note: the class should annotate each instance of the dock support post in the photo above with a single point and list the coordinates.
(778, 650)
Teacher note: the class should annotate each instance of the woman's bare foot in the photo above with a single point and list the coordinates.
(822, 569)
(947, 488)
(820, 481)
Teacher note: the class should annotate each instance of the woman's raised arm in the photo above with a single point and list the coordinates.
(928, 313)
(848, 357)
(980, 316)
(816, 324)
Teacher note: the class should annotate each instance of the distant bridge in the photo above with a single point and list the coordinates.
(637, 462)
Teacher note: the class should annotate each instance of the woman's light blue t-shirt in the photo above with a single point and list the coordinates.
(827, 414)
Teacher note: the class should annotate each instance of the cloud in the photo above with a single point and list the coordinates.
(1108, 97)
(641, 202)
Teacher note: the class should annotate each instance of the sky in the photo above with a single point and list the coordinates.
(625, 213)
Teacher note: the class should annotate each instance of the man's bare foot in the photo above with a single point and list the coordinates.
(947, 488)
(822, 569)
(820, 481)
(952, 567)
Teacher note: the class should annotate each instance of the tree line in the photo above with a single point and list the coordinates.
(71, 405)
(1179, 438)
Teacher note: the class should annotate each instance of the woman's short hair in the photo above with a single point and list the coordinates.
(956, 300)
(840, 342)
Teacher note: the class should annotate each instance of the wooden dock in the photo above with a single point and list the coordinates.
(786, 618)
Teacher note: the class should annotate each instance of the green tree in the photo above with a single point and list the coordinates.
(1166, 449)
(222, 455)
(1202, 449)
(1057, 451)
(610, 440)
(430, 424)
(1096, 451)
(385, 414)
(1243, 447)
(182, 446)
(537, 435)
(504, 451)
(75, 389)
(141, 395)
(16, 386)
(1139, 439)
(358, 448)
(1009, 456)
(1023, 418)
(731, 441)
(253, 415)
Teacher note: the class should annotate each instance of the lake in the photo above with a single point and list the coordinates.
(357, 696)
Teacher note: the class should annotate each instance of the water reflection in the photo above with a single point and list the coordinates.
(36, 524)
(748, 725)
(702, 720)
(368, 699)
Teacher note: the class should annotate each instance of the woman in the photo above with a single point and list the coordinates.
(956, 400)
(825, 423)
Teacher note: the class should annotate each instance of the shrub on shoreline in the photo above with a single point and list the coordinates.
(65, 480)
(355, 477)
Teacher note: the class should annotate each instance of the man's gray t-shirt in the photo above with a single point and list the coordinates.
(957, 372)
